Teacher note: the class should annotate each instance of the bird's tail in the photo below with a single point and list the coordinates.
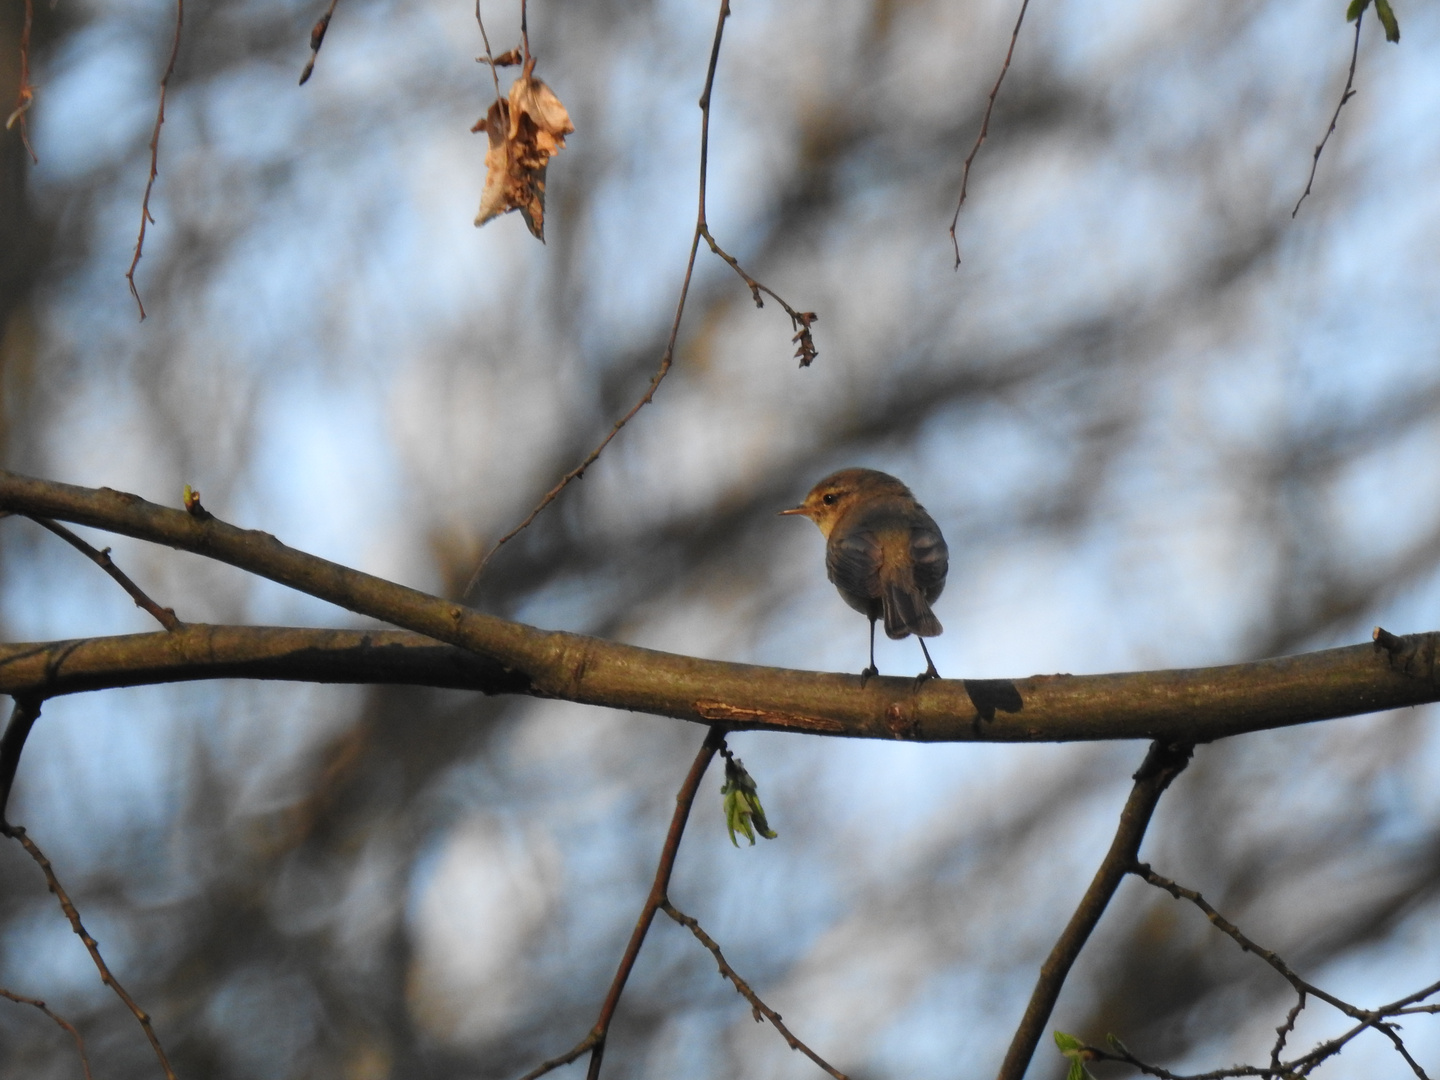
(907, 612)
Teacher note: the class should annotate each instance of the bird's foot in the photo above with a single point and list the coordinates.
(868, 674)
(925, 676)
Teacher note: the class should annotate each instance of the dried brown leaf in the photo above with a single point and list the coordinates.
(525, 132)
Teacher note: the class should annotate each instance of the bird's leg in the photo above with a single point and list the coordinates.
(929, 672)
(871, 671)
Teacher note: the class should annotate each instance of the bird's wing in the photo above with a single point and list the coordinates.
(853, 564)
(930, 558)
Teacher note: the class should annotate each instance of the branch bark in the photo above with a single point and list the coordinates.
(1162, 764)
(1196, 705)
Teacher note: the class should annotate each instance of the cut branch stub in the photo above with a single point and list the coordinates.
(525, 131)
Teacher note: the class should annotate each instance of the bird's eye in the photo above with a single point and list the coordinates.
(829, 498)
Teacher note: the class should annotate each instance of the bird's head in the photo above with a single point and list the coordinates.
(832, 498)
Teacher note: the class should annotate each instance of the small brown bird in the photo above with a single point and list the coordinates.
(883, 552)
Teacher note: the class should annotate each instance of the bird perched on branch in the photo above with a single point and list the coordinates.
(884, 553)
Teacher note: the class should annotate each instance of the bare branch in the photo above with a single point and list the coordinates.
(1162, 764)
(1282, 1033)
(800, 320)
(1345, 95)
(758, 1008)
(984, 128)
(1225, 926)
(684, 799)
(199, 651)
(1369, 1018)
(12, 744)
(145, 217)
(525, 30)
(317, 38)
(26, 94)
(489, 56)
(21, 999)
(92, 946)
(1171, 706)
(164, 616)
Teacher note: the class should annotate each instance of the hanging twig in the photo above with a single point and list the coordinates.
(668, 356)
(800, 321)
(1345, 95)
(317, 38)
(26, 96)
(489, 56)
(984, 129)
(146, 218)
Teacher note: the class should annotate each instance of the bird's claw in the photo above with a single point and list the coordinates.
(868, 674)
(925, 676)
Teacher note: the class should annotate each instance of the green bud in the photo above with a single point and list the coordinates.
(742, 804)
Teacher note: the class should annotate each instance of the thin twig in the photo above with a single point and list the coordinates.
(21, 999)
(563, 1059)
(1368, 1018)
(1098, 1053)
(800, 321)
(668, 356)
(1162, 764)
(317, 38)
(1400, 1048)
(1345, 95)
(15, 832)
(1225, 926)
(525, 31)
(146, 218)
(684, 799)
(1282, 1033)
(489, 56)
(164, 616)
(26, 96)
(984, 129)
(1301, 1066)
(758, 1008)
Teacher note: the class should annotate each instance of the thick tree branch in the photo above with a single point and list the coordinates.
(1197, 705)
(1200, 703)
(12, 744)
(293, 654)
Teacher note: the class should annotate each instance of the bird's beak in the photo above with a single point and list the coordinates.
(796, 510)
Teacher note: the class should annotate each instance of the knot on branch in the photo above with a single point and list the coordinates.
(1416, 655)
(1164, 760)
